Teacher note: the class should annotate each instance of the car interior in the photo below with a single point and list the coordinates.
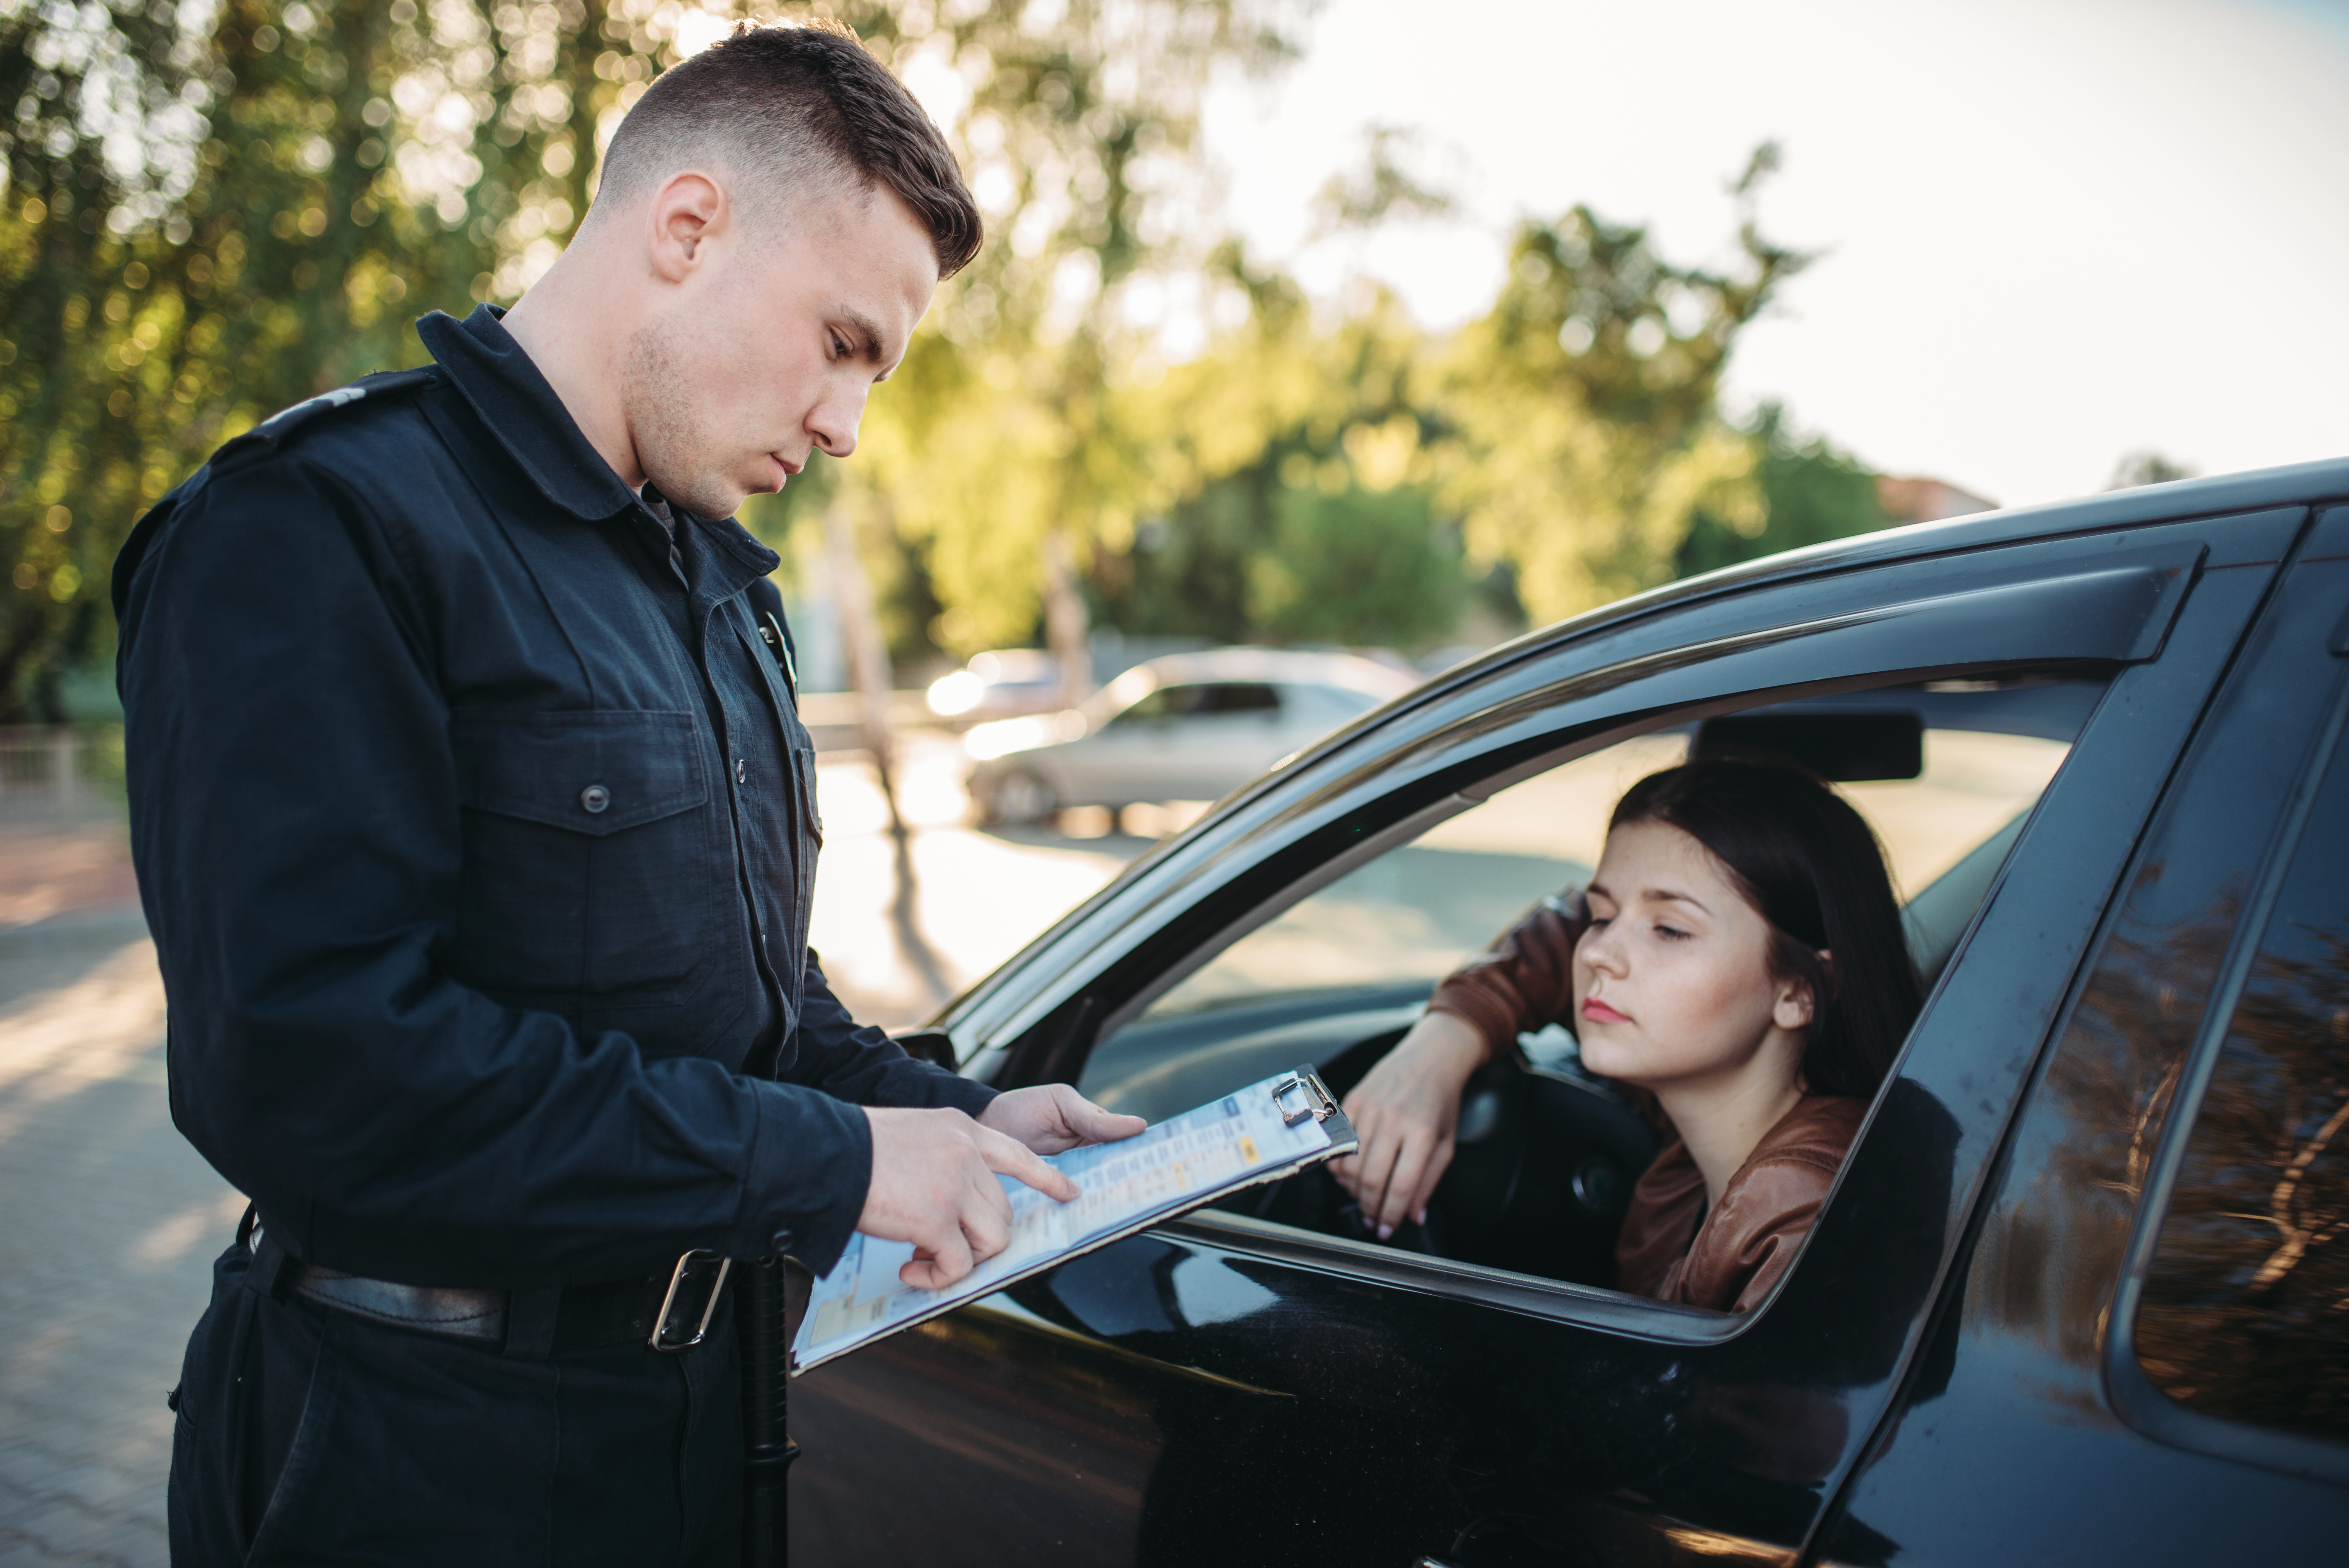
(1946, 772)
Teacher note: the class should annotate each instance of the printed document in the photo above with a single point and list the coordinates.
(1261, 1133)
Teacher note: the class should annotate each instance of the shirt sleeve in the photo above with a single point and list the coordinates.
(1523, 981)
(297, 835)
(860, 1064)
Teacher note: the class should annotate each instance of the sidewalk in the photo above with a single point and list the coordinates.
(112, 1216)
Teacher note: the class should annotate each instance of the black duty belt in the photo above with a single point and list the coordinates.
(669, 1310)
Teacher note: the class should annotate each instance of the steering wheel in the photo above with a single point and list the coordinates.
(1544, 1168)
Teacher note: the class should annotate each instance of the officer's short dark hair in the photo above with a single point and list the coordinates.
(804, 106)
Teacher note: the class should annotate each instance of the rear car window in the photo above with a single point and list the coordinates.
(2245, 1313)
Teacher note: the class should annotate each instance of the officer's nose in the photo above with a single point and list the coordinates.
(833, 422)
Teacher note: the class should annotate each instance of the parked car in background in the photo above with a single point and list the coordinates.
(2076, 1295)
(1190, 726)
(1003, 684)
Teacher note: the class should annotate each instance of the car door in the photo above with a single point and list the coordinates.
(2143, 1357)
(1236, 1391)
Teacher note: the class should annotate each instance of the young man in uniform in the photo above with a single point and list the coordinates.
(476, 827)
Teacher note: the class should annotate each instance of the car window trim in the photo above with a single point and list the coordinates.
(1340, 1258)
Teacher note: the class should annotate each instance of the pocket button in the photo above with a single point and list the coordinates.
(595, 798)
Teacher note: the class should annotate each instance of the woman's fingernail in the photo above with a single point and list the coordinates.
(1385, 1231)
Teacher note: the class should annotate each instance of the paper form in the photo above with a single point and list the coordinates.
(1178, 1164)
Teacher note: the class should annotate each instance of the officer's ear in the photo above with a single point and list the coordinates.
(688, 210)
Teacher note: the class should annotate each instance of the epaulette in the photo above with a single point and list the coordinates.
(263, 437)
(271, 432)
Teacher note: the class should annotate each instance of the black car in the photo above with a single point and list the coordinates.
(2081, 1292)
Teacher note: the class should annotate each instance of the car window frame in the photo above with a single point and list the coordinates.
(2119, 736)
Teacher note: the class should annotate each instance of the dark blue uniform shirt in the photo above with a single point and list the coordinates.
(476, 827)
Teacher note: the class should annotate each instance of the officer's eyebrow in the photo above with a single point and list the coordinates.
(865, 328)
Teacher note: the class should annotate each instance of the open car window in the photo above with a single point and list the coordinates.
(1945, 774)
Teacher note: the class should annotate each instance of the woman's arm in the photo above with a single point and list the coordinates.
(1525, 981)
(1406, 1109)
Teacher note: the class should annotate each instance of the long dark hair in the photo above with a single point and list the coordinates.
(1807, 863)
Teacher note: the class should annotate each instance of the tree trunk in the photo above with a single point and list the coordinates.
(868, 653)
(1067, 626)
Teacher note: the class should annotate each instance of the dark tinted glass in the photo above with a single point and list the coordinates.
(2246, 1311)
(1202, 697)
(1236, 697)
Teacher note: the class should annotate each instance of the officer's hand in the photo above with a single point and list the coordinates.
(934, 1185)
(1052, 1117)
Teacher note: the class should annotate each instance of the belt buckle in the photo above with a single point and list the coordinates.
(694, 1263)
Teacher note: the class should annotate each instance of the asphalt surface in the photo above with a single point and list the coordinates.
(113, 1218)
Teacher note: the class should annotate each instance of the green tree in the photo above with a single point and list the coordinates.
(1320, 525)
(1810, 493)
(205, 223)
(1588, 436)
(1031, 404)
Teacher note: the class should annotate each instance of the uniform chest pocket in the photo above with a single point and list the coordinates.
(590, 857)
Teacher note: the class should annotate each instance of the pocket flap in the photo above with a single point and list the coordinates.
(591, 772)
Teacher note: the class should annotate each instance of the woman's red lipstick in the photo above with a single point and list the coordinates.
(1599, 1011)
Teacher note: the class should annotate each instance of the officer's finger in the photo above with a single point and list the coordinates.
(987, 1225)
(939, 1262)
(1088, 1123)
(1014, 1159)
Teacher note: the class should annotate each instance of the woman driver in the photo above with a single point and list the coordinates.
(1744, 963)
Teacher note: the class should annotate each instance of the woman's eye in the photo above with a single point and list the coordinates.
(1597, 921)
(839, 347)
(1670, 932)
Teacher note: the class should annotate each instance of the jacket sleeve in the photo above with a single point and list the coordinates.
(862, 1065)
(295, 826)
(1525, 981)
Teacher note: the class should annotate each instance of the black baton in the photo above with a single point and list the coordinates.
(767, 1447)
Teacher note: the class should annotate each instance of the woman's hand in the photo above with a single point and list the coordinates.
(1406, 1112)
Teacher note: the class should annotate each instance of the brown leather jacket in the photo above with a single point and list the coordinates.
(1671, 1247)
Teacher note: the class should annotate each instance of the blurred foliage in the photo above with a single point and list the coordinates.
(213, 211)
(2147, 469)
(1590, 436)
(1810, 493)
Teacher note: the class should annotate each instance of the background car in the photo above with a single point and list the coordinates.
(1190, 726)
(1002, 683)
(2076, 1295)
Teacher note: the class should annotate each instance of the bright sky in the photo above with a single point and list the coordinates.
(2057, 230)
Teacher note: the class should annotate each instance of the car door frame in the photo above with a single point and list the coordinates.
(2029, 1375)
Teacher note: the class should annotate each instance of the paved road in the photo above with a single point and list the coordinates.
(112, 1219)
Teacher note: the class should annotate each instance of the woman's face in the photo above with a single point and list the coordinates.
(1671, 982)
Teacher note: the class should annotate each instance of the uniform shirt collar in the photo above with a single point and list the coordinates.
(519, 409)
(513, 401)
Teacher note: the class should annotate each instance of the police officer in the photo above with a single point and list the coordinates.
(477, 830)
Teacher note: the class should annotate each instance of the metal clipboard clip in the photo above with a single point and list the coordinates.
(1314, 1099)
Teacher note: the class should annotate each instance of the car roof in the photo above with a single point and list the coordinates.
(1283, 667)
(2296, 484)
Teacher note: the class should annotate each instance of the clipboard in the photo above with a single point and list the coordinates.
(1271, 1129)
